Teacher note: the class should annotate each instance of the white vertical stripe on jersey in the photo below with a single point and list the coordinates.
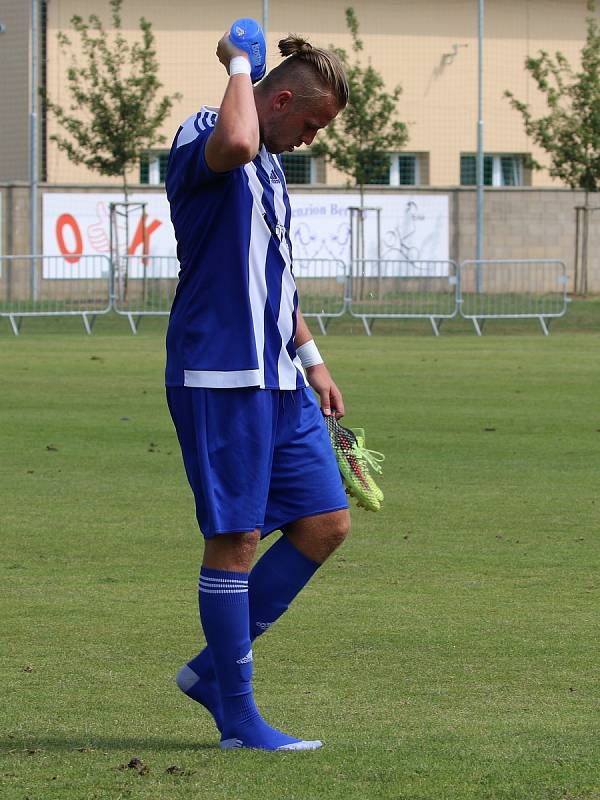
(296, 362)
(260, 237)
(285, 368)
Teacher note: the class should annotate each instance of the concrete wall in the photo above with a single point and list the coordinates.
(14, 219)
(519, 223)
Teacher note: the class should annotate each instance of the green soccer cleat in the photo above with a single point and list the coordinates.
(355, 462)
(369, 459)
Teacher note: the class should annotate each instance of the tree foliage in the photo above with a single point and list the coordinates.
(115, 112)
(570, 132)
(360, 141)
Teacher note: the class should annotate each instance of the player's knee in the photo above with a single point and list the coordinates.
(317, 537)
(338, 529)
(231, 551)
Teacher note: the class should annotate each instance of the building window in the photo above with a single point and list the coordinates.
(299, 167)
(153, 167)
(498, 170)
(396, 169)
(404, 170)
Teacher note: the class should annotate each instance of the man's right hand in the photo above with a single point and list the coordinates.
(226, 50)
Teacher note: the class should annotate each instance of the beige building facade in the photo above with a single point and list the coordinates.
(429, 47)
(15, 90)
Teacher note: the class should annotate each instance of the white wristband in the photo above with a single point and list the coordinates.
(239, 65)
(309, 355)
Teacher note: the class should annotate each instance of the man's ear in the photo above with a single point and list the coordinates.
(282, 100)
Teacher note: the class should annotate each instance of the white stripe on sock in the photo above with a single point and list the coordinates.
(223, 585)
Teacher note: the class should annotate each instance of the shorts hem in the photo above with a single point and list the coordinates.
(224, 531)
(266, 531)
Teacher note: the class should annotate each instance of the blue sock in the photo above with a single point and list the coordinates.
(276, 579)
(224, 615)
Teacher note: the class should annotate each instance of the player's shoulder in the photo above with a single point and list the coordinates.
(196, 125)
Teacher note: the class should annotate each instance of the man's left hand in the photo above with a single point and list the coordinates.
(321, 381)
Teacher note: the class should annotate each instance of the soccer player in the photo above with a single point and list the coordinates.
(239, 361)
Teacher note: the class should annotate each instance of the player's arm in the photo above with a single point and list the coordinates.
(235, 139)
(318, 375)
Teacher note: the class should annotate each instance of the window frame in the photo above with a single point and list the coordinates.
(394, 177)
(153, 160)
(312, 165)
(394, 173)
(497, 170)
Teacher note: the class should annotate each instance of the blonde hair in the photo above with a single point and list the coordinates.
(314, 71)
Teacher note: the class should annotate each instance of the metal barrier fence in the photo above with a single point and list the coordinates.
(322, 288)
(386, 289)
(144, 286)
(139, 286)
(52, 286)
(519, 289)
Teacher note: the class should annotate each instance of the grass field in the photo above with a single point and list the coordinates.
(449, 651)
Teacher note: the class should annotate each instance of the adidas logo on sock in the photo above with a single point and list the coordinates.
(264, 626)
(246, 659)
(274, 177)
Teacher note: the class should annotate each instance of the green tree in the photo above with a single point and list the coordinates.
(115, 113)
(570, 131)
(359, 143)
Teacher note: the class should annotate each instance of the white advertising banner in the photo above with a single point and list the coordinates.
(79, 223)
(413, 228)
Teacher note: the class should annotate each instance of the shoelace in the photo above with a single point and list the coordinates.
(373, 457)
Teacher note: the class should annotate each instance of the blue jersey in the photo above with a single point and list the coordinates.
(233, 320)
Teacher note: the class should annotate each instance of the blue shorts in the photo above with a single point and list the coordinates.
(255, 458)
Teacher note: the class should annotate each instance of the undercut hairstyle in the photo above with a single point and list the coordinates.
(312, 71)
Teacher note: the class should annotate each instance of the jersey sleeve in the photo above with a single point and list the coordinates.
(187, 166)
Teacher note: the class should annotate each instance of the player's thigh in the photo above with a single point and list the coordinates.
(226, 438)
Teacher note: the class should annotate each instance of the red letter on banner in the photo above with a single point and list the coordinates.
(74, 256)
(142, 236)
